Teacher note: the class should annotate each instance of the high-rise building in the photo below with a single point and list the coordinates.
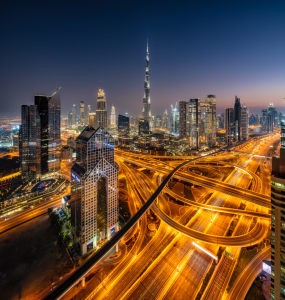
(39, 141)
(94, 189)
(244, 123)
(237, 118)
(183, 112)
(264, 124)
(278, 221)
(158, 121)
(101, 111)
(174, 120)
(210, 120)
(194, 123)
(69, 120)
(30, 142)
(230, 126)
(143, 126)
(113, 116)
(92, 120)
(274, 116)
(123, 125)
(82, 115)
(146, 113)
(89, 109)
(74, 114)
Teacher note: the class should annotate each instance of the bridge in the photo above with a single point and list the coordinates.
(85, 268)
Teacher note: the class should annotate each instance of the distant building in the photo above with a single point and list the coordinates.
(16, 140)
(92, 120)
(194, 123)
(244, 123)
(113, 116)
(183, 112)
(39, 137)
(264, 124)
(82, 113)
(123, 125)
(71, 143)
(210, 120)
(101, 111)
(174, 120)
(74, 116)
(69, 120)
(143, 126)
(66, 153)
(230, 126)
(94, 189)
(237, 119)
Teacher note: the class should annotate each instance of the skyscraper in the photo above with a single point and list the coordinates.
(92, 120)
(69, 120)
(101, 111)
(278, 221)
(244, 123)
(82, 116)
(123, 125)
(230, 126)
(210, 120)
(183, 112)
(174, 120)
(113, 116)
(74, 114)
(194, 123)
(94, 189)
(39, 141)
(89, 109)
(264, 124)
(143, 126)
(237, 118)
(146, 113)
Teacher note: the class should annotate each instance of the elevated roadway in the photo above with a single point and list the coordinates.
(210, 183)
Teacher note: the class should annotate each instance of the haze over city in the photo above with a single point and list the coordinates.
(196, 48)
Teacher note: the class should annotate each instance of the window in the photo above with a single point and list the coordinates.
(273, 234)
(273, 218)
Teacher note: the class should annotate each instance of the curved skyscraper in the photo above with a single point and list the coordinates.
(146, 113)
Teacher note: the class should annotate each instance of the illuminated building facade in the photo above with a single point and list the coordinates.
(183, 113)
(74, 114)
(94, 189)
(174, 120)
(194, 123)
(92, 120)
(210, 120)
(278, 221)
(244, 123)
(146, 113)
(101, 110)
(123, 125)
(264, 122)
(82, 115)
(69, 120)
(113, 116)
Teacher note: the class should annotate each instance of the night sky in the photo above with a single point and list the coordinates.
(225, 48)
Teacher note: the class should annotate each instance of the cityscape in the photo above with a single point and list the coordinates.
(138, 188)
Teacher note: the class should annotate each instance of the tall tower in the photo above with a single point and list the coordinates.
(146, 113)
(113, 116)
(237, 118)
(101, 110)
(82, 116)
(74, 114)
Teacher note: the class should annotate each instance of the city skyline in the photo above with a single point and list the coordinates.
(227, 61)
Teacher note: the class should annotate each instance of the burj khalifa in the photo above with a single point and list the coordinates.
(146, 113)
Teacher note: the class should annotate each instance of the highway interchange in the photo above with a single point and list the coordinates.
(169, 266)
